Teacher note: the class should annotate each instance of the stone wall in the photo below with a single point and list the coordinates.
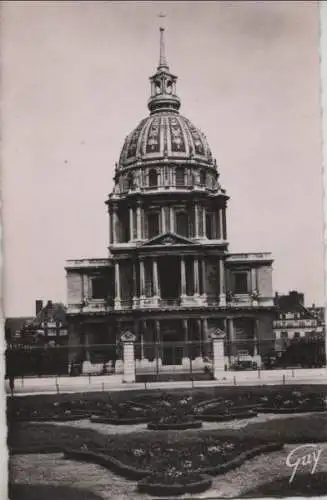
(74, 287)
(264, 274)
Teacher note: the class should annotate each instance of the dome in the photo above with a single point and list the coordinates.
(165, 135)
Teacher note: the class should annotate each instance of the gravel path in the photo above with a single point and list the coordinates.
(125, 429)
(52, 469)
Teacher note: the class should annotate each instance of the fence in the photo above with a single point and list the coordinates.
(162, 360)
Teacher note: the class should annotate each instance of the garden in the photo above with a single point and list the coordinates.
(168, 463)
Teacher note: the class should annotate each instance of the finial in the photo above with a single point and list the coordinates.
(162, 58)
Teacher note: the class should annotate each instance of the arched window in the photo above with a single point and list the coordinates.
(180, 176)
(153, 178)
(203, 178)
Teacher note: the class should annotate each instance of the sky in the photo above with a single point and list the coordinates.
(75, 83)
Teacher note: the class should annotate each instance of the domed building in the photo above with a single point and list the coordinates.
(169, 277)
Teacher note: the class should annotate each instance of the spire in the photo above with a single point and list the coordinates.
(163, 84)
(162, 59)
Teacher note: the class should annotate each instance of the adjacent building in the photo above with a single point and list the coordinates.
(168, 275)
(296, 321)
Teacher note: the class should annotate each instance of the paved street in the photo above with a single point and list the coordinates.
(53, 385)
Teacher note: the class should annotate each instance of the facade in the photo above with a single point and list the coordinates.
(169, 275)
(296, 321)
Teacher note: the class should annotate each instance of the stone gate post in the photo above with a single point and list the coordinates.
(128, 340)
(218, 358)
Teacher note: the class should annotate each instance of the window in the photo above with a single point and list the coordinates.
(180, 176)
(153, 178)
(296, 335)
(153, 224)
(99, 288)
(130, 181)
(209, 225)
(203, 178)
(182, 224)
(241, 282)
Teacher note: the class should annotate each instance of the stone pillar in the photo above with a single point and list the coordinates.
(221, 225)
(231, 336)
(138, 223)
(157, 343)
(224, 224)
(203, 274)
(196, 229)
(172, 219)
(155, 279)
(218, 360)
(183, 277)
(204, 222)
(128, 340)
(142, 280)
(163, 220)
(109, 226)
(115, 225)
(117, 286)
(131, 224)
(205, 337)
(196, 277)
(222, 294)
(186, 350)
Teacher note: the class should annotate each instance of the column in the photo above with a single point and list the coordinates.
(204, 220)
(196, 229)
(109, 226)
(183, 277)
(138, 223)
(186, 351)
(117, 286)
(131, 228)
(255, 337)
(172, 219)
(155, 278)
(115, 225)
(231, 336)
(222, 294)
(205, 349)
(128, 341)
(157, 343)
(203, 273)
(221, 225)
(224, 224)
(142, 279)
(87, 345)
(135, 297)
(218, 361)
(196, 277)
(163, 220)
(199, 329)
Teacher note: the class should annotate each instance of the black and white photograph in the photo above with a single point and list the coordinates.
(163, 249)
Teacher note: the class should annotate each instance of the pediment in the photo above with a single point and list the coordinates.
(168, 239)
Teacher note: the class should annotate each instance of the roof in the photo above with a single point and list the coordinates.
(52, 312)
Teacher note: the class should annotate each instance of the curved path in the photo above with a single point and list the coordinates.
(125, 429)
(53, 469)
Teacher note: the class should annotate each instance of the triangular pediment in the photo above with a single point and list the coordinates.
(168, 239)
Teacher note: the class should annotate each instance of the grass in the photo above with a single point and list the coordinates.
(49, 492)
(302, 485)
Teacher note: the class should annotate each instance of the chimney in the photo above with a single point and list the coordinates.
(38, 306)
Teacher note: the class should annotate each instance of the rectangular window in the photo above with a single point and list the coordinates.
(241, 283)
(99, 288)
(153, 224)
(182, 225)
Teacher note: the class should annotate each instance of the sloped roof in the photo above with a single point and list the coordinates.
(52, 312)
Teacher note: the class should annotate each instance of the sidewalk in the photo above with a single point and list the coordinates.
(53, 385)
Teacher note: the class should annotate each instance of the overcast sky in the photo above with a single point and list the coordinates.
(75, 83)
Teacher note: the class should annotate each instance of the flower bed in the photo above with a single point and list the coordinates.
(294, 402)
(161, 485)
(225, 417)
(118, 420)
